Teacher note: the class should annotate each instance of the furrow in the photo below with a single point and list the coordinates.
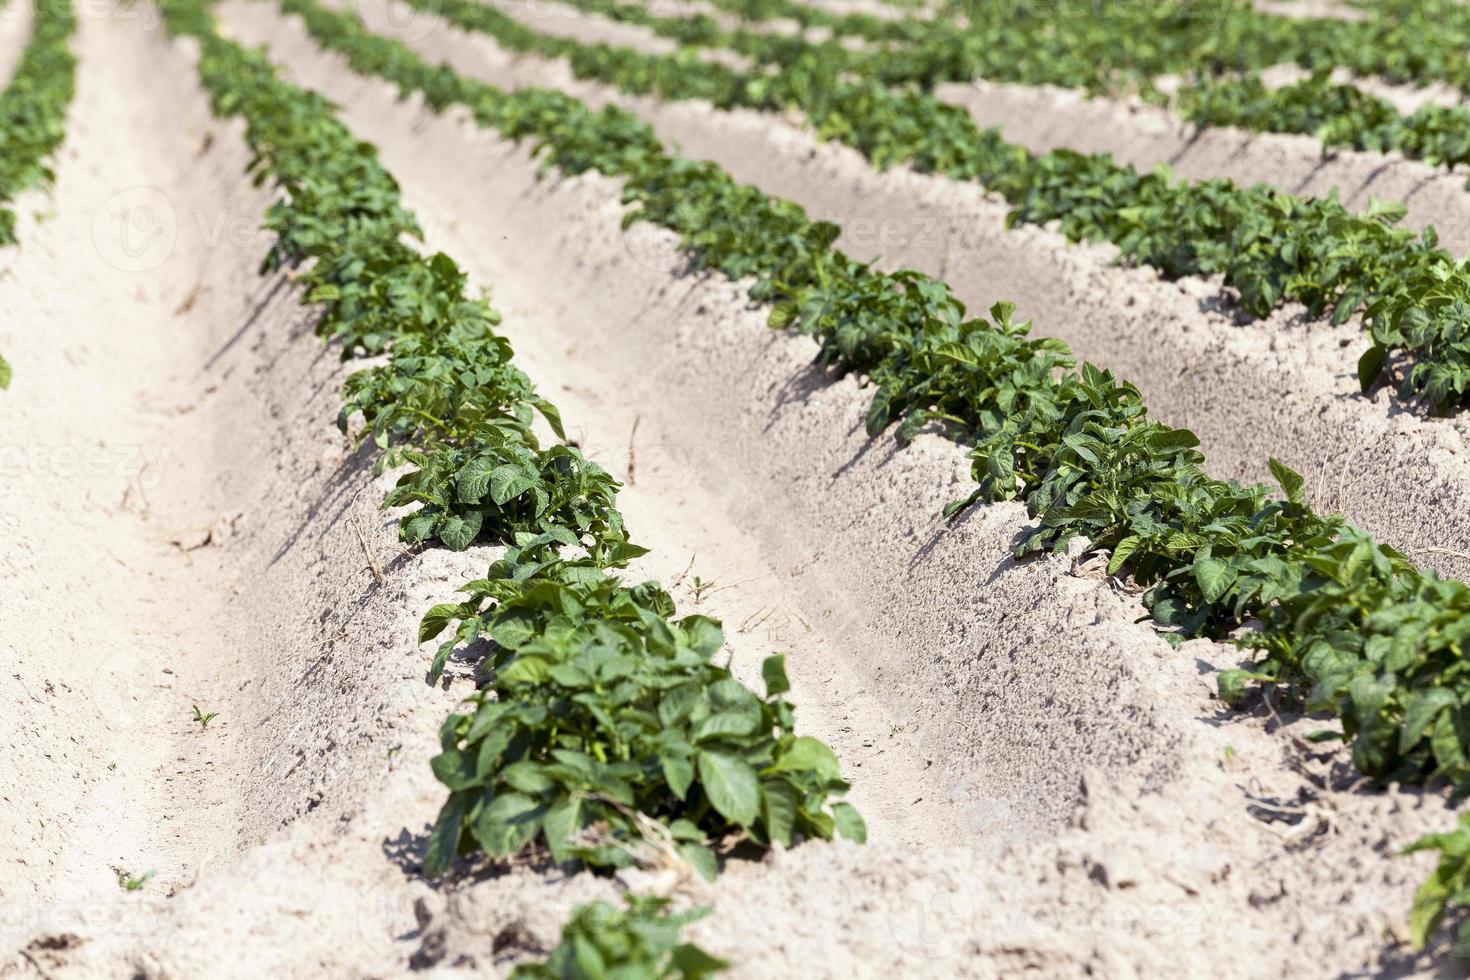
(182, 529)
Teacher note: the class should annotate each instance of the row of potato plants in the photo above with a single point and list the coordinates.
(1339, 114)
(1271, 247)
(605, 728)
(1336, 113)
(33, 115)
(1346, 625)
(1100, 48)
(1118, 48)
(1217, 91)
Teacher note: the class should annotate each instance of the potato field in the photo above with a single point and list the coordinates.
(734, 488)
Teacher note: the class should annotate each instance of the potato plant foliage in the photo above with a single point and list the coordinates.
(1216, 49)
(602, 706)
(33, 107)
(1103, 48)
(638, 942)
(1337, 114)
(1448, 885)
(33, 115)
(1348, 626)
(603, 716)
(1270, 246)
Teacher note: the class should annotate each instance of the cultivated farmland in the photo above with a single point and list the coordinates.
(766, 488)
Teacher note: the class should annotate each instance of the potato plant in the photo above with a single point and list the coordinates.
(638, 942)
(601, 706)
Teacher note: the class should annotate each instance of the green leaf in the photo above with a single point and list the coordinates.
(417, 527)
(850, 823)
(1214, 577)
(510, 822)
(734, 722)
(459, 532)
(562, 821)
(1370, 366)
(513, 628)
(444, 838)
(703, 634)
(1232, 685)
(677, 704)
(730, 783)
(455, 769)
(523, 670)
(552, 415)
(1290, 480)
(441, 660)
(807, 754)
(509, 481)
(701, 858)
(1445, 742)
(474, 479)
(436, 619)
(1165, 441)
(679, 772)
(526, 776)
(1122, 552)
(1429, 906)
(779, 803)
(878, 412)
(782, 316)
(5, 374)
(1419, 713)
(773, 672)
(694, 963)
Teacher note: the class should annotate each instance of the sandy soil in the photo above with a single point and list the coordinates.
(1311, 9)
(15, 30)
(873, 8)
(1050, 787)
